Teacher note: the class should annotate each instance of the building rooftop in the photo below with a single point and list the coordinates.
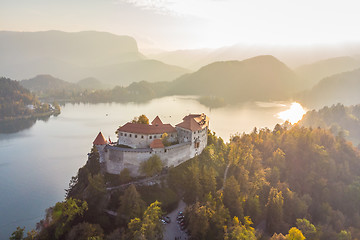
(156, 121)
(194, 122)
(147, 129)
(100, 140)
(157, 143)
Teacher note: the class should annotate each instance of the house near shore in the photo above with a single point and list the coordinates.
(138, 142)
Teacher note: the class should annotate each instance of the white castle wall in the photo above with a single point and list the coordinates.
(136, 140)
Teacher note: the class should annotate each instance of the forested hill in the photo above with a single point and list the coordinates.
(291, 181)
(338, 118)
(312, 73)
(14, 98)
(47, 83)
(258, 78)
(340, 88)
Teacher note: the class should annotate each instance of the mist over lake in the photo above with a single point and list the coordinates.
(36, 164)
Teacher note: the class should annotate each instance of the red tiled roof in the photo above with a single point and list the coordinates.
(156, 121)
(190, 124)
(146, 129)
(157, 143)
(100, 139)
(194, 122)
(191, 116)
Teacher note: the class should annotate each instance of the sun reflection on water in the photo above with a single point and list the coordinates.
(293, 114)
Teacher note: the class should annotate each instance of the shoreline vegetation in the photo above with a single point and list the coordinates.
(17, 102)
(54, 112)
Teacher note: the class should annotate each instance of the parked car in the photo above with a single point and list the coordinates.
(167, 219)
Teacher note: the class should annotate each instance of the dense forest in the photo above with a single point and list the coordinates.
(18, 102)
(291, 182)
(340, 119)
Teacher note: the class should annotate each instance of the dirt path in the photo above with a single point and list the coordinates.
(225, 175)
(172, 229)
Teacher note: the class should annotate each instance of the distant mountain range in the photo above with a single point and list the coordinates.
(115, 60)
(339, 88)
(258, 78)
(293, 56)
(311, 74)
(97, 60)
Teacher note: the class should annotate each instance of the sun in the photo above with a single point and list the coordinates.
(293, 114)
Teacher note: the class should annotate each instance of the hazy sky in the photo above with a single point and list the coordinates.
(175, 24)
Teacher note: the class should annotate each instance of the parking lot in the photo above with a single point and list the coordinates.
(173, 229)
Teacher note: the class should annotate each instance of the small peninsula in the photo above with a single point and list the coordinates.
(16, 102)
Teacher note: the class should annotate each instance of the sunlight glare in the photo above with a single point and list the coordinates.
(293, 114)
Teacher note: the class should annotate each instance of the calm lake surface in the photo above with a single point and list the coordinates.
(36, 164)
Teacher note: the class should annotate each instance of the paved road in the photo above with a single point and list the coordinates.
(172, 229)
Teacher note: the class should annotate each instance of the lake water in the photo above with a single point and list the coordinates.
(36, 164)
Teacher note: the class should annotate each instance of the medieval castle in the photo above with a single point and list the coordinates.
(138, 142)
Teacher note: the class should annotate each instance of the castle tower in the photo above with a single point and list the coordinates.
(100, 143)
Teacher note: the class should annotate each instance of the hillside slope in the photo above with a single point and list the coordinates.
(258, 78)
(340, 88)
(14, 99)
(338, 118)
(313, 73)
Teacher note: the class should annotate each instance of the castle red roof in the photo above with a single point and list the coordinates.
(100, 140)
(147, 129)
(156, 121)
(157, 143)
(194, 122)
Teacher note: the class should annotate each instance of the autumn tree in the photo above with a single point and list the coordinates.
(61, 216)
(149, 227)
(18, 234)
(232, 198)
(165, 139)
(86, 231)
(239, 231)
(295, 234)
(131, 205)
(199, 220)
(308, 229)
(274, 207)
(142, 119)
(344, 235)
(152, 166)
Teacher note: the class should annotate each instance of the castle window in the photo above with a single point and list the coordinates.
(142, 136)
(194, 132)
(150, 137)
(135, 136)
(121, 134)
(125, 134)
(130, 135)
